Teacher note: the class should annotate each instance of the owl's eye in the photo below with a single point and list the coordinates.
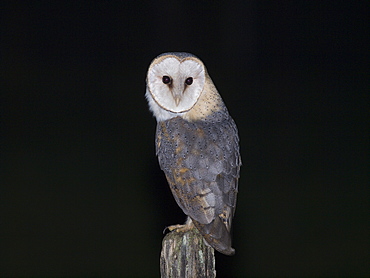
(189, 81)
(166, 79)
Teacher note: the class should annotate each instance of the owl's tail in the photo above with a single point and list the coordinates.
(217, 235)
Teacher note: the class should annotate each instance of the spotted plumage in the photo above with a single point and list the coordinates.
(197, 145)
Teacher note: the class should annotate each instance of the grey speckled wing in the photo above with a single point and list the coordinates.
(201, 162)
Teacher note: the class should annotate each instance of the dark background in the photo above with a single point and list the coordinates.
(81, 190)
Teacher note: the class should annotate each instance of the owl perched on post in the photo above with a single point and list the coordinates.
(197, 145)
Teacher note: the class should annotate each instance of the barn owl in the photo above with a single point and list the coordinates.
(197, 145)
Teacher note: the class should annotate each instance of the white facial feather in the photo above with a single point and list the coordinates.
(161, 97)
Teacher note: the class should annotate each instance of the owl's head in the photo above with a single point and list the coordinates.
(175, 82)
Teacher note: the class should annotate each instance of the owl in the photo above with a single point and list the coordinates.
(197, 145)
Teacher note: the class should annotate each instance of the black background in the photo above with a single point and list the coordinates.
(81, 190)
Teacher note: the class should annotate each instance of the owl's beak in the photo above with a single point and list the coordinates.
(177, 99)
(177, 95)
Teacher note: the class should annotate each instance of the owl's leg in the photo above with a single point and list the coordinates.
(182, 228)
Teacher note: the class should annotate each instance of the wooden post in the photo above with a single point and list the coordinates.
(185, 254)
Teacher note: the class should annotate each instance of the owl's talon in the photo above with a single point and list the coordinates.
(169, 228)
(173, 228)
(181, 227)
